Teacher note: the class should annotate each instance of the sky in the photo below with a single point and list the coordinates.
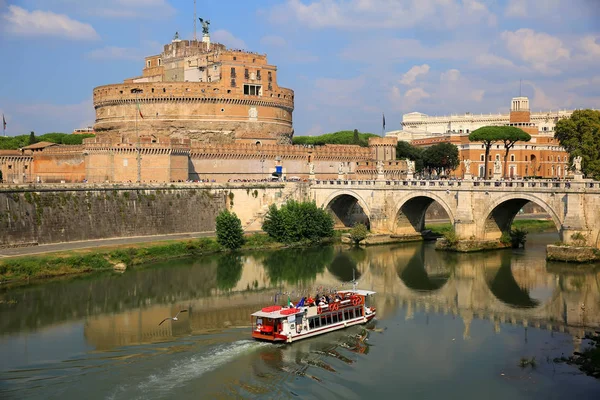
(348, 61)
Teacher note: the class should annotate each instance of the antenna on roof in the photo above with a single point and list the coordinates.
(194, 20)
(520, 86)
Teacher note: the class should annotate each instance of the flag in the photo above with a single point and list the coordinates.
(3, 122)
(384, 121)
(290, 304)
(140, 111)
(301, 303)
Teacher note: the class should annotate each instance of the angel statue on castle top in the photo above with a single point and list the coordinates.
(205, 24)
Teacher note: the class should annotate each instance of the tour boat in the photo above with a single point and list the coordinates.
(312, 317)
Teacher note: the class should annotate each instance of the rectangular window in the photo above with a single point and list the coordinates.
(233, 72)
(10, 167)
(334, 318)
(329, 319)
(246, 73)
(270, 76)
(311, 323)
(148, 63)
(346, 315)
(233, 83)
(252, 90)
(125, 162)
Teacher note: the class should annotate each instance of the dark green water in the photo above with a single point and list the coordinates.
(451, 326)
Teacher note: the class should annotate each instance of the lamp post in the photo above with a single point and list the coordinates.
(138, 144)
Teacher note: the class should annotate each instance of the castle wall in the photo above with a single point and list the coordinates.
(58, 164)
(199, 111)
(28, 216)
(15, 166)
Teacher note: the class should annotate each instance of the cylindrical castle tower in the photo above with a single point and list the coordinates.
(199, 91)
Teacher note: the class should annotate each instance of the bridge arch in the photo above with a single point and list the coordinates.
(499, 217)
(347, 208)
(410, 212)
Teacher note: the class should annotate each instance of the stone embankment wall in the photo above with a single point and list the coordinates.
(65, 213)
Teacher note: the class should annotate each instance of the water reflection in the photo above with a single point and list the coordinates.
(109, 311)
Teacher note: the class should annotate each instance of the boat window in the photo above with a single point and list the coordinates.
(346, 315)
(334, 318)
(329, 319)
(340, 316)
(311, 323)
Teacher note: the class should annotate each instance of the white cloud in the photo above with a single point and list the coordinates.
(21, 22)
(539, 50)
(491, 60)
(516, 8)
(411, 75)
(590, 45)
(416, 94)
(273, 41)
(451, 75)
(227, 38)
(372, 14)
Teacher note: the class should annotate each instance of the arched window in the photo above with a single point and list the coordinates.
(482, 157)
(512, 157)
(497, 157)
(525, 158)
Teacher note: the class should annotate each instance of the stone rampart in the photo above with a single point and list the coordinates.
(63, 213)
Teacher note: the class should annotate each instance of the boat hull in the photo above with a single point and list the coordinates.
(314, 332)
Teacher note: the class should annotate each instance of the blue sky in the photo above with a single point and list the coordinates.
(347, 60)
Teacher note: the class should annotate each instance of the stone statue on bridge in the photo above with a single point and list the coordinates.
(497, 167)
(341, 169)
(467, 163)
(311, 168)
(379, 167)
(577, 164)
(410, 166)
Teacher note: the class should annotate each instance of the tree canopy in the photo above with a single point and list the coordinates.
(580, 136)
(341, 137)
(442, 156)
(406, 150)
(488, 135)
(17, 142)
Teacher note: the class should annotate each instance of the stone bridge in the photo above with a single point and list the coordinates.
(479, 210)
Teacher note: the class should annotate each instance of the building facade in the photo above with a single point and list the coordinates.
(199, 91)
(541, 157)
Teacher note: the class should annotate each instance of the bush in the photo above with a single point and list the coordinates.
(518, 237)
(579, 239)
(229, 230)
(358, 232)
(451, 238)
(296, 221)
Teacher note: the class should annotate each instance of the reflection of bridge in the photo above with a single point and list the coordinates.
(499, 286)
(479, 210)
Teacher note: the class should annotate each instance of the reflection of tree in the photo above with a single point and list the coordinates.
(56, 301)
(506, 289)
(415, 276)
(297, 265)
(229, 270)
(343, 266)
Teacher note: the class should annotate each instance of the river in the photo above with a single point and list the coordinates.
(449, 325)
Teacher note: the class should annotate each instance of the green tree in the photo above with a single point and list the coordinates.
(229, 230)
(355, 138)
(358, 232)
(32, 139)
(488, 135)
(296, 221)
(406, 150)
(441, 156)
(229, 271)
(341, 137)
(580, 136)
(509, 136)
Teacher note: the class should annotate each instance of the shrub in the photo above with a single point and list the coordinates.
(451, 238)
(518, 237)
(358, 232)
(579, 239)
(505, 238)
(296, 221)
(229, 230)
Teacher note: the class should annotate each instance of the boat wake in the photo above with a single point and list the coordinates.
(182, 371)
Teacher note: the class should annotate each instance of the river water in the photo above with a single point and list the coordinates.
(450, 325)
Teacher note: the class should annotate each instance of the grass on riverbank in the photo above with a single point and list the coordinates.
(530, 225)
(103, 259)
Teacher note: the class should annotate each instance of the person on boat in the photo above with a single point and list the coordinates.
(338, 297)
(327, 299)
(310, 301)
(322, 302)
(259, 324)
